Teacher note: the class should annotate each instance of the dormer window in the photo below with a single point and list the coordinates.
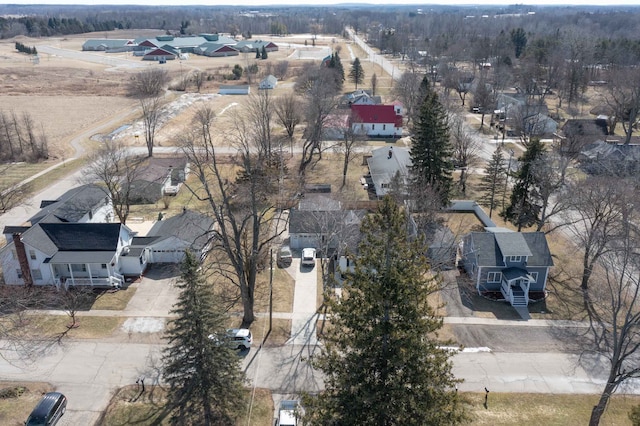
(515, 259)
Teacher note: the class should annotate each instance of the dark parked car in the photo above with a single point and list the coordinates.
(284, 257)
(48, 411)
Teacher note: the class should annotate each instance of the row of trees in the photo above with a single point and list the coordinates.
(31, 50)
(20, 138)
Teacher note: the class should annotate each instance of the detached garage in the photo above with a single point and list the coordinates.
(172, 237)
(234, 89)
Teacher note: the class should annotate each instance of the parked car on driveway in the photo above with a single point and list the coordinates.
(288, 413)
(284, 257)
(308, 257)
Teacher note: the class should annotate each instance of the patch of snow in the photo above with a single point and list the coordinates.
(143, 325)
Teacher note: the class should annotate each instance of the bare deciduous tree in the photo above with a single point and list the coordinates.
(352, 138)
(116, 170)
(150, 118)
(287, 109)
(623, 97)
(465, 148)
(615, 315)
(260, 109)
(149, 83)
(595, 218)
(321, 101)
(407, 90)
(241, 208)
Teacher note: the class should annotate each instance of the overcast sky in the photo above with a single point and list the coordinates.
(326, 2)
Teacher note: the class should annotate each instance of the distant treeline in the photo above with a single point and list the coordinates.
(38, 26)
(26, 49)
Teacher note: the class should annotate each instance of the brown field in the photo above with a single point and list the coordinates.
(66, 96)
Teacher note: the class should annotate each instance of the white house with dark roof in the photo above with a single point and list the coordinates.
(384, 164)
(515, 264)
(66, 254)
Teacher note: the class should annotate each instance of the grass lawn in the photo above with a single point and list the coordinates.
(113, 300)
(545, 409)
(88, 327)
(128, 407)
(18, 400)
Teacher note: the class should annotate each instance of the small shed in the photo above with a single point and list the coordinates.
(269, 82)
(234, 89)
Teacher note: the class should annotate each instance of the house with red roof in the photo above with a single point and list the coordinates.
(377, 120)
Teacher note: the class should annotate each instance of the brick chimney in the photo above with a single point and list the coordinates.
(22, 258)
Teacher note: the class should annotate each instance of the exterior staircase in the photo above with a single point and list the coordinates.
(519, 298)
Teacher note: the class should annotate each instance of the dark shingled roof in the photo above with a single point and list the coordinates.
(490, 253)
(71, 206)
(189, 226)
(83, 236)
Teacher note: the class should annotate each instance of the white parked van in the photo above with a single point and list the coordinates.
(288, 413)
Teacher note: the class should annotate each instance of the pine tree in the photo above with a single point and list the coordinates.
(431, 147)
(493, 182)
(357, 73)
(257, 53)
(524, 207)
(204, 376)
(263, 53)
(382, 361)
(336, 65)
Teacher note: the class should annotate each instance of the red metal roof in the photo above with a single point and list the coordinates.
(376, 114)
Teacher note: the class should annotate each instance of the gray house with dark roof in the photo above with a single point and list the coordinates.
(325, 230)
(84, 204)
(515, 264)
(168, 239)
(385, 164)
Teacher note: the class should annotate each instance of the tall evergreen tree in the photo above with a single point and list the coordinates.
(263, 53)
(382, 361)
(204, 376)
(357, 73)
(525, 204)
(493, 182)
(430, 145)
(336, 65)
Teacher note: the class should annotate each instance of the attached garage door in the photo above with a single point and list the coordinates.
(168, 256)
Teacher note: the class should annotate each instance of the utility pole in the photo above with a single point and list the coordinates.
(270, 290)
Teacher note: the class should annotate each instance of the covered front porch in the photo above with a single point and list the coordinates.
(93, 269)
(515, 286)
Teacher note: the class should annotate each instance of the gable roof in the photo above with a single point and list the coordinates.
(323, 222)
(83, 236)
(382, 168)
(189, 226)
(376, 114)
(72, 205)
(489, 247)
(158, 169)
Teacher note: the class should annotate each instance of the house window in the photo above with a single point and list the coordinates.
(103, 266)
(494, 277)
(36, 274)
(534, 275)
(515, 259)
(77, 267)
(373, 127)
(32, 254)
(384, 127)
(19, 272)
